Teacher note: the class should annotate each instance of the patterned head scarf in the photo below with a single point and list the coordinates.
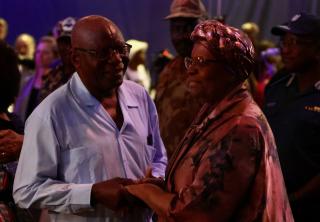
(229, 44)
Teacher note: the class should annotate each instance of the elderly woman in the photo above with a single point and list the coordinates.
(226, 167)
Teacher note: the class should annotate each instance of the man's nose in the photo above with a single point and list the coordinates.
(285, 49)
(192, 70)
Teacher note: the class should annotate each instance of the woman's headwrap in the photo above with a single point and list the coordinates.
(231, 46)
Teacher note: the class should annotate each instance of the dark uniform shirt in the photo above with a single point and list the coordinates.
(295, 120)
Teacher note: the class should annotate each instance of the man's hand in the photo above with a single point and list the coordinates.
(149, 178)
(110, 193)
(155, 181)
(10, 145)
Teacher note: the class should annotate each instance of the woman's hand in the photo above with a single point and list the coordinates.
(154, 196)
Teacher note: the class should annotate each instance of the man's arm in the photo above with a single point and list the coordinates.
(160, 159)
(37, 183)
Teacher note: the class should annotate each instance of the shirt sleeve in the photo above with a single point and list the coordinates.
(160, 160)
(36, 181)
(223, 176)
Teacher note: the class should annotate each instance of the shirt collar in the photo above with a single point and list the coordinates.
(80, 92)
(128, 94)
(83, 96)
(293, 77)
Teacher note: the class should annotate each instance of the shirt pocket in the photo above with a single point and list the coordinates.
(82, 165)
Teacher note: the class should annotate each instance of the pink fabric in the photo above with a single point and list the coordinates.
(226, 167)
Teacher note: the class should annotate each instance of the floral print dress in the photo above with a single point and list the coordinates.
(226, 168)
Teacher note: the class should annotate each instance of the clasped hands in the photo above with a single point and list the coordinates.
(114, 195)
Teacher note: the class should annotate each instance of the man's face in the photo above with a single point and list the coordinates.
(101, 61)
(298, 53)
(181, 29)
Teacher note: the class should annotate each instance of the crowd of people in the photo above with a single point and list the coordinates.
(226, 131)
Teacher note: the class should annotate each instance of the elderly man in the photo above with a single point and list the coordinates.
(88, 133)
(175, 105)
(293, 110)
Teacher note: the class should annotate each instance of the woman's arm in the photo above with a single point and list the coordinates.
(155, 197)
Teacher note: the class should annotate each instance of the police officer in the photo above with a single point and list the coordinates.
(292, 106)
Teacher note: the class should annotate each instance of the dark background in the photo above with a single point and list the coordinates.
(143, 19)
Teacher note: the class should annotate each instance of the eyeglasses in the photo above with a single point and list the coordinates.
(123, 50)
(198, 61)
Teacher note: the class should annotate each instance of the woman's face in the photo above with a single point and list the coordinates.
(207, 78)
(44, 55)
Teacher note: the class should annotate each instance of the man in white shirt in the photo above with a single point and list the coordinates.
(88, 133)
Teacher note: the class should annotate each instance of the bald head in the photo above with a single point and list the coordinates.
(91, 30)
(99, 54)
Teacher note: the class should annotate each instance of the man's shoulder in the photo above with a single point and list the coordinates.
(54, 104)
(281, 78)
(57, 98)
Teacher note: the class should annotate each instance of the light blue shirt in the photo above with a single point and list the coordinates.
(71, 143)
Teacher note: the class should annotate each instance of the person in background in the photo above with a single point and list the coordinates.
(9, 88)
(3, 29)
(174, 103)
(226, 168)
(137, 70)
(25, 48)
(292, 106)
(91, 136)
(64, 69)
(28, 99)
(58, 76)
(159, 61)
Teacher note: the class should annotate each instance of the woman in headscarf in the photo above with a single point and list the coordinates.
(226, 167)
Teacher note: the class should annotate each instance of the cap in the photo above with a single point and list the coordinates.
(187, 9)
(64, 27)
(137, 46)
(300, 24)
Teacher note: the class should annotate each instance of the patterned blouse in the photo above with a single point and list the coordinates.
(226, 168)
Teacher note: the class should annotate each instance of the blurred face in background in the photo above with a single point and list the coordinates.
(181, 29)
(25, 46)
(44, 55)
(298, 53)
(21, 48)
(3, 29)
